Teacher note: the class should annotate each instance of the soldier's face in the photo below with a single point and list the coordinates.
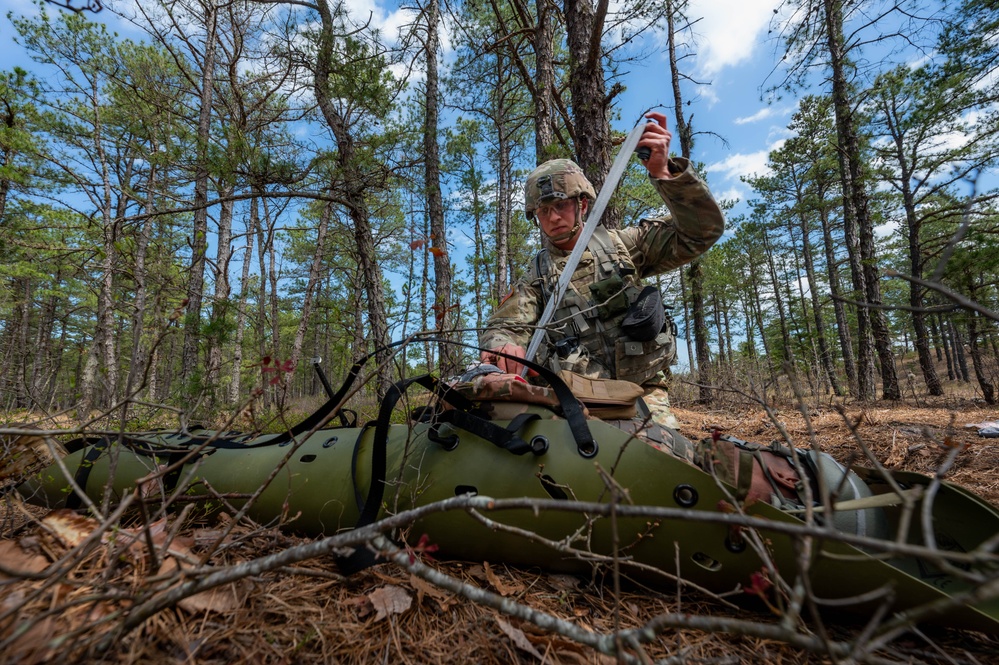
(558, 219)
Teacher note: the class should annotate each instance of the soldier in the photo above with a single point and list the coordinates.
(607, 325)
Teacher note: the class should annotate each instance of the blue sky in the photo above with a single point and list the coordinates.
(732, 54)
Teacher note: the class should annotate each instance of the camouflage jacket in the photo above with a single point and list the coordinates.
(606, 281)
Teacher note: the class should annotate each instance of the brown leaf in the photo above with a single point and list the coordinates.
(390, 600)
(220, 599)
(498, 584)
(424, 588)
(16, 558)
(22, 456)
(476, 571)
(69, 528)
(519, 639)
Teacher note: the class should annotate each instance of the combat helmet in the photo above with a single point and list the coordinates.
(554, 180)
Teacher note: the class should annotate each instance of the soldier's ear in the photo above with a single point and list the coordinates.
(584, 204)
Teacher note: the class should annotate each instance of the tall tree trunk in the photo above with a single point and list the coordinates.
(544, 97)
(704, 369)
(235, 382)
(590, 102)
(857, 219)
(139, 362)
(855, 212)
(354, 196)
(692, 359)
(220, 299)
(839, 309)
(984, 382)
(199, 238)
(935, 334)
(825, 353)
(504, 194)
(957, 343)
(785, 335)
(265, 239)
(445, 310)
(315, 273)
(695, 272)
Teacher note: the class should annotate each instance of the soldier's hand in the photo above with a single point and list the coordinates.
(507, 365)
(656, 138)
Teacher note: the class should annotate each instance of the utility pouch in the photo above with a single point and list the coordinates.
(646, 316)
(610, 297)
(604, 398)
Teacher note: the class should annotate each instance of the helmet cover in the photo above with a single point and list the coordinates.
(555, 180)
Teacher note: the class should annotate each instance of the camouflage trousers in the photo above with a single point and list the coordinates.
(657, 400)
(665, 437)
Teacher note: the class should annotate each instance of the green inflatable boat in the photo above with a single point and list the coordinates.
(328, 479)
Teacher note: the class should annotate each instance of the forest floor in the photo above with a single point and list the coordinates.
(308, 613)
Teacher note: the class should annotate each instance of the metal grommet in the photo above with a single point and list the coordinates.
(685, 496)
(735, 545)
(448, 440)
(539, 445)
(330, 441)
(587, 454)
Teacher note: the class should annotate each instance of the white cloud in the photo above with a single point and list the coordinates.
(730, 31)
(762, 114)
(389, 23)
(740, 164)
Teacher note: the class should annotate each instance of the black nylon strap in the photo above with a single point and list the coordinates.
(82, 475)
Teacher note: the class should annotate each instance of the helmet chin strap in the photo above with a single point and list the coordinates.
(562, 237)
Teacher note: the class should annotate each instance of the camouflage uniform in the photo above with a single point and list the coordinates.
(606, 282)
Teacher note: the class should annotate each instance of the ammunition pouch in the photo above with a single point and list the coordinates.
(610, 296)
(646, 316)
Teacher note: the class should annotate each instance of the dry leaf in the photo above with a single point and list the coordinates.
(21, 456)
(899, 451)
(69, 528)
(498, 584)
(564, 582)
(220, 599)
(424, 588)
(15, 558)
(388, 579)
(519, 639)
(389, 600)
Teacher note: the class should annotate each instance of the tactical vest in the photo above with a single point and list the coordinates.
(585, 334)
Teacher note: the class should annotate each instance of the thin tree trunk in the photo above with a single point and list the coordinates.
(590, 103)
(855, 213)
(315, 273)
(504, 198)
(544, 97)
(445, 310)
(988, 390)
(235, 382)
(355, 195)
(957, 343)
(220, 299)
(199, 238)
(686, 323)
